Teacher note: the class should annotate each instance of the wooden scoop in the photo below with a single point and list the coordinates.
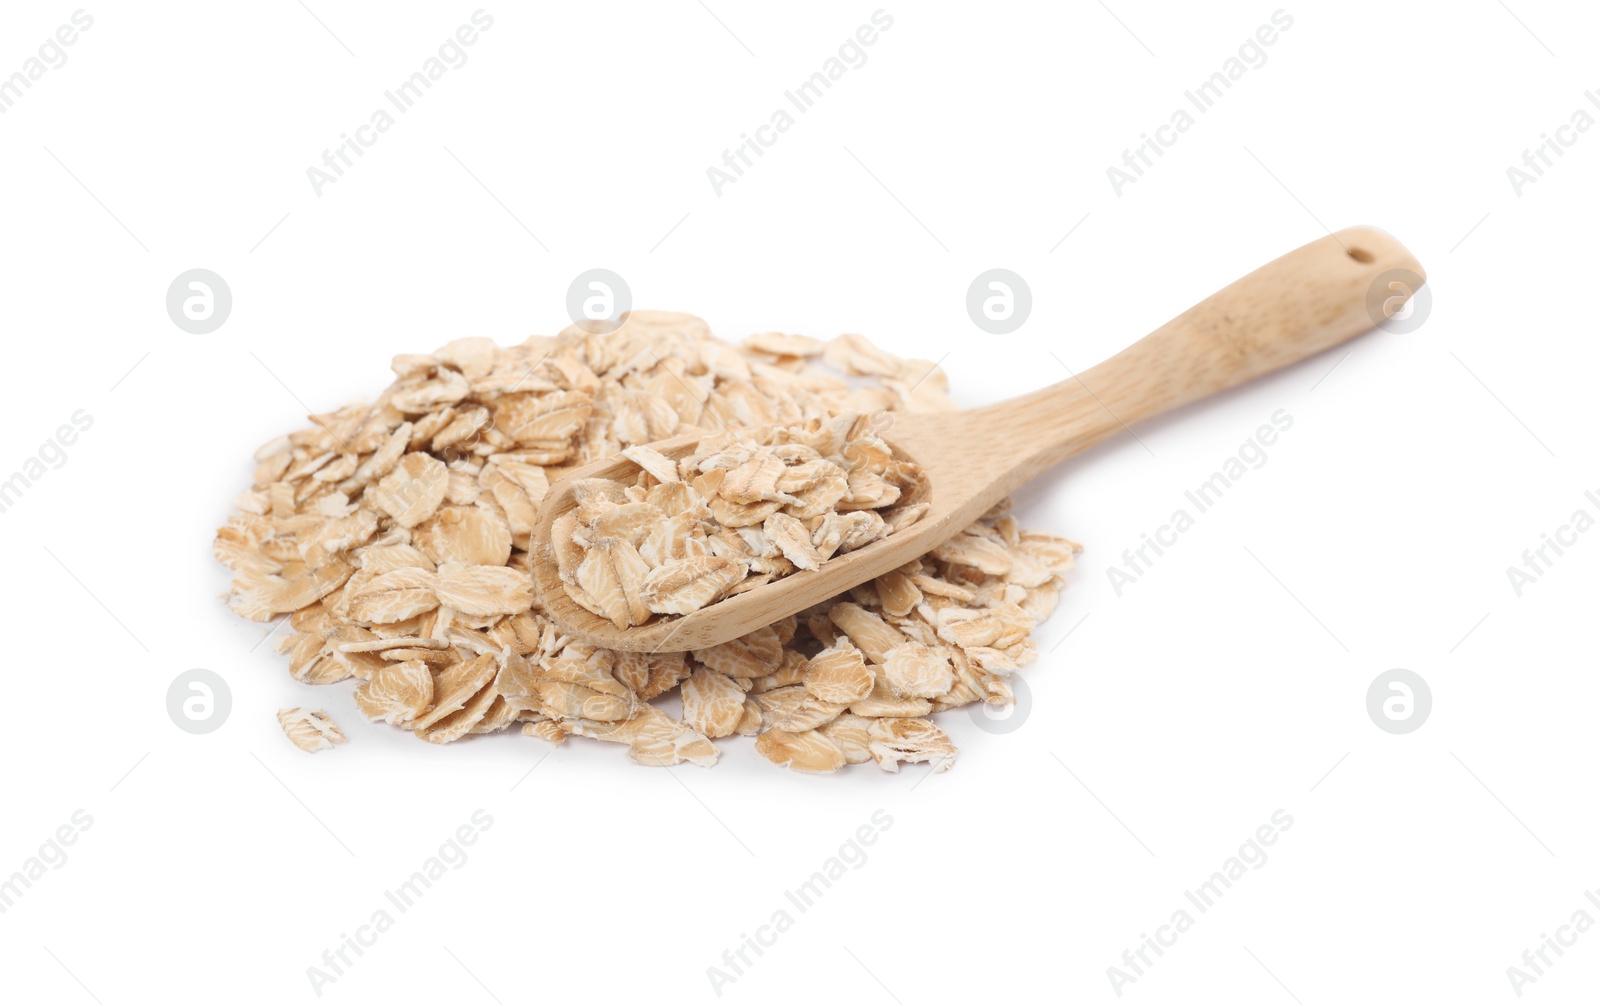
(1311, 299)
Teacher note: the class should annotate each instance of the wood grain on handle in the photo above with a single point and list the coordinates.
(1295, 306)
(1311, 299)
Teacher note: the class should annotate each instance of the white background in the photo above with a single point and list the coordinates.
(1228, 683)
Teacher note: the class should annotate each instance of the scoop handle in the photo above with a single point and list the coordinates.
(1311, 299)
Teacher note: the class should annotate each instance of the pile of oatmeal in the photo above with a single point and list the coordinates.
(395, 537)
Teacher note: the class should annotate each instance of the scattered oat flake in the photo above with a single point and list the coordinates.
(484, 589)
(395, 596)
(469, 536)
(839, 674)
(413, 490)
(396, 693)
(853, 735)
(310, 731)
(455, 686)
(808, 750)
(895, 741)
(659, 467)
(914, 670)
(686, 585)
(712, 704)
